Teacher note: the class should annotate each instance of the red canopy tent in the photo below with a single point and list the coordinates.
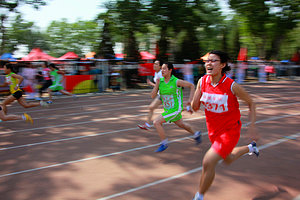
(147, 56)
(69, 55)
(37, 54)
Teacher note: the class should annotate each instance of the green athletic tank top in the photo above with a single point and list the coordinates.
(12, 82)
(56, 78)
(171, 95)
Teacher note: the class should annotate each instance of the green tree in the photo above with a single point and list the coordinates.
(268, 22)
(105, 49)
(8, 6)
(182, 21)
(106, 45)
(24, 33)
(130, 19)
(79, 37)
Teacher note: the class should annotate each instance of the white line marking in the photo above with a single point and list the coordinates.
(72, 124)
(101, 156)
(99, 134)
(81, 106)
(115, 118)
(276, 142)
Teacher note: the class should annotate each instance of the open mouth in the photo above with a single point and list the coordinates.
(209, 69)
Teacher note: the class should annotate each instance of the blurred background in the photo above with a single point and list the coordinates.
(125, 36)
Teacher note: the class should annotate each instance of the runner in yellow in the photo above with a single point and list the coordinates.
(170, 90)
(14, 80)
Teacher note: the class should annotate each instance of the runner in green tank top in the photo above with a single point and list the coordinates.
(56, 76)
(170, 90)
(171, 96)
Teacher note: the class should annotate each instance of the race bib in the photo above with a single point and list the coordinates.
(8, 80)
(217, 103)
(168, 101)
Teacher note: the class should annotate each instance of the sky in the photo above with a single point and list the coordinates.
(72, 10)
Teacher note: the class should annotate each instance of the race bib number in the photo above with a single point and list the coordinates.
(217, 103)
(8, 80)
(168, 101)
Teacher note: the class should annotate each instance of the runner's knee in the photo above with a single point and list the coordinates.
(157, 122)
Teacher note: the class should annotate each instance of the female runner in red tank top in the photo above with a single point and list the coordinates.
(218, 94)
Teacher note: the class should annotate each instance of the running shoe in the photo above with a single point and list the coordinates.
(143, 126)
(28, 118)
(198, 197)
(49, 102)
(198, 137)
(255, 149)
(161, 148)
(44, 104)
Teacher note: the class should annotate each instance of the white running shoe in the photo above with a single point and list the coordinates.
(254, 149)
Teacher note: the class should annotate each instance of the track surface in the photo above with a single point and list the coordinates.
(91, 148)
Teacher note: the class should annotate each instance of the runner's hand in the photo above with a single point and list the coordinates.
(189, 109)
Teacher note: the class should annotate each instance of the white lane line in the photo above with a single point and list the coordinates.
(83, 106)
(87, 112)
(83, 136)
(276, 142)
(115, 118)
(109, 132)
(72, 124)
(102, 156)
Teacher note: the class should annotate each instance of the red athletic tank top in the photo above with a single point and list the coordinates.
(221, 105)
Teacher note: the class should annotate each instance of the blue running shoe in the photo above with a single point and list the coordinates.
(198, 137)
(255, 149)
(161, 148)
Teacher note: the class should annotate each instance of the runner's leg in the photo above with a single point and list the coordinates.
(7, 101)
(236, 153)
(154, 105)
(26, 104)
(180, 123)
(158, 125)
(66, 92)
(210, 161)
(5, 117)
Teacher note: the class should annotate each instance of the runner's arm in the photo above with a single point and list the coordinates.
(150, 83)
(197, 96)
(182, 83)
(20, 78)
(61, 72)
(155, 89)
(241, 93)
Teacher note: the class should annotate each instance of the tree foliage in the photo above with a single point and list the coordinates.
(79, 37)
(181, 29)
(268, 22)
(8, 6)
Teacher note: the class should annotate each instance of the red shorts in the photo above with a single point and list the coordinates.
(224, 143)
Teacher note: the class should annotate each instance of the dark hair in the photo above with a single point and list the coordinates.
(160, 62)
(224, 59)
(170, 66)
(10, 66)
(53, 65)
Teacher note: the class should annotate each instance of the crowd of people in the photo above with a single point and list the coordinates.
(216, 93)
